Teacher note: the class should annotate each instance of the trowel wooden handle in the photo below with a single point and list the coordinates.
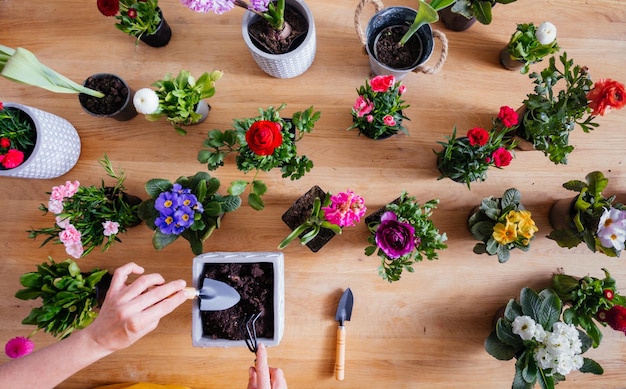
(340, 359)
(190, 292)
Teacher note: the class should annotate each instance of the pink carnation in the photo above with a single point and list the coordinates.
(69, 235)
(110, 228)
(362, 106)
(62, 191)
(382, 83)
(55, 206)
(62, 222)
(508, 116)
(75, 249)
(18, 347)
(389, 121)
(345, 209)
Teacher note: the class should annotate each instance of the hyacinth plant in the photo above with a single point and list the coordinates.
(401, 234)
(88, 217)
(176, 98)
(501, 225)
(546, 348)
(530, 44)
(333, 212)
(467, 159)
(20, 65)
(262, 143)
(378, 111)
(551, 114)
(190, 208)
(591, 299)
(17, 137)
(69, 299)
(134, 17)
(597, 220)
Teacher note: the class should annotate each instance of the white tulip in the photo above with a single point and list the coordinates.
(546, 33)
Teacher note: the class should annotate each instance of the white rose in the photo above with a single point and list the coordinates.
(546, 33)
(146, 101)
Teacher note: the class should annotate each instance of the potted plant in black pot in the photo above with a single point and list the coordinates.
(399, 40)
(259, 278)
(378, 111)
(464, 13)
(116, 100)
(88, 216)
(279, 34)
(69, 301)
(180, 99)
(142, 19)
(262, 143)
(35, 143)
(528, 45)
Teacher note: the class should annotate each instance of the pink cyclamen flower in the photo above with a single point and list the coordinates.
(382, 83)
(389, 121)
(18, 347)
(345, 209)
(69, 235)
(110, 228)
(362, 106)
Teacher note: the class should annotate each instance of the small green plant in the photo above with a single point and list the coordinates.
(134, 17)
(261, 143)
(68, 297)
(531, 332)
(426, 13)
(530, 44)
(479, 9)
(176, 98)
(502, 224)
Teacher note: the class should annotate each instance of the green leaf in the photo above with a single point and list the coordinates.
(531, 305)
(156, 186)
(161, 240)
(254, 200)
(591, 366)
(237, 187)
(497, 349)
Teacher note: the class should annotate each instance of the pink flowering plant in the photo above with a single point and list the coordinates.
(134, 17)
(598, 221)
(17, 137)
(467, 159)
(403, 233)
(378, 110)
(69, 301)
(334, 212)
(88, 217)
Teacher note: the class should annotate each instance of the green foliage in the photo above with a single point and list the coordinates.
(524, 46)
(550, 116)
(18, 128)
(179, 97)
(68, 297)
(220, 144)
(312, 226)
(408, 210)
(479, 9)
(426, 13)
(145, 22)
(205, 188)
(589, 205)
(92, 205)
(503, 211)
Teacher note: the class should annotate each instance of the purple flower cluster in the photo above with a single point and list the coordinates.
(177, 209)
(394, 237)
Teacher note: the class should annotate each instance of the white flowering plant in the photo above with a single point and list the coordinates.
(546, 349)
(530, 44)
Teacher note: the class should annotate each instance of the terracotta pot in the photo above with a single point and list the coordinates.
(161, 36)
(454, 21)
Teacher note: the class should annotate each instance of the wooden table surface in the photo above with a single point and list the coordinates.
(425, 331)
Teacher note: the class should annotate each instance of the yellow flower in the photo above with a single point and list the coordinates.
(505, 233)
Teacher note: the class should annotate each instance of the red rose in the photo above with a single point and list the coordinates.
(263, 137)
(382, 83)
(502, 157)
(508, 116)
(606, 94)
(5, 143)
(13, 159)
(478, 136)
(108, 7)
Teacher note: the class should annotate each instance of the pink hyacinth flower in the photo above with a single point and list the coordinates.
(345, 209)
(18, 347)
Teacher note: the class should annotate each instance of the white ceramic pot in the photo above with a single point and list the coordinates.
(290, 64)
(276, 259)
(56, 150)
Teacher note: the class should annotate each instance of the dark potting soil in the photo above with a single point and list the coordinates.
(269, 40)
(300, 211)
(255, 284)
(389, 51)
(115, 95)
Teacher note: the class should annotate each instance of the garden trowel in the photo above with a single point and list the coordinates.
(214, 295)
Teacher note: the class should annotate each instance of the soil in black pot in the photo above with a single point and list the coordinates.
(389, 52)
(300, 212)
(115, 95)
(255, 284)
(271, 41)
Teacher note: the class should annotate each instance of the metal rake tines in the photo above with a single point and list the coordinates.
(248, 331)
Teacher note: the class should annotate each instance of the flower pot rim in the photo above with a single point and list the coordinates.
(28, 111)
(128, 97)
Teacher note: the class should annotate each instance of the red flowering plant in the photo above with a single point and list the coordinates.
(262, 143)
(17, 137)
(550, 116)
(135, 17)
(467, 159)
(378, 111)
(591, 299)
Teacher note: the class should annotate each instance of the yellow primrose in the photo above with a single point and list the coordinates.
(505, 233)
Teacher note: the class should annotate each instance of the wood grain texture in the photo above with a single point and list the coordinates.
(425, 331)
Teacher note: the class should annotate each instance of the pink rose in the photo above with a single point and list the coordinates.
(69, 235)
(389, 121)
(382, 83)
(110, 228)
(74, 249)
(362, 106)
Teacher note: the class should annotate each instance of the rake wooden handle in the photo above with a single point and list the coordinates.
(340, 357)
